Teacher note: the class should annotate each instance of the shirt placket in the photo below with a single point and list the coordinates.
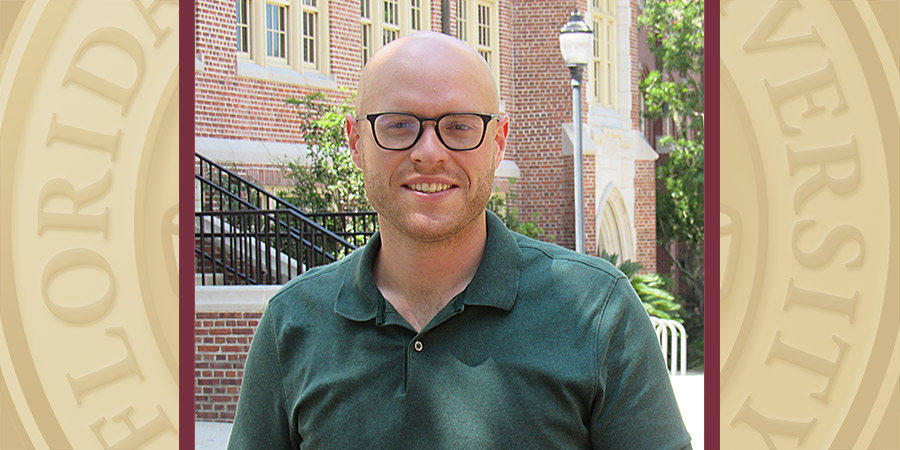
(416, 344)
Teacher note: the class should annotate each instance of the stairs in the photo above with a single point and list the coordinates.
(244, 235)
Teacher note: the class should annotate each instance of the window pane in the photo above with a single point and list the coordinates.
(366, 42)
(388, 36)
(364, 9)
(309, 36)
(484, 25)
(391, 8)
(276, 30)
(486, 55)
(243, 26)
(415, 14)
(462, 20)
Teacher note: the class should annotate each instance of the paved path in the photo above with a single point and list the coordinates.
(688, 392)
(211, 435)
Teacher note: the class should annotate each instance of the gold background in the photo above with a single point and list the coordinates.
(810, 308)
(89, 307)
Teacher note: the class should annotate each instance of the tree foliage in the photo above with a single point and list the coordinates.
(499, 204)
(328, 181)
(674, 91)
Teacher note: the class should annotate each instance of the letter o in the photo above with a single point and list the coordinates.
(67, 260)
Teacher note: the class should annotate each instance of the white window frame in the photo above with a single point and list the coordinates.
(390, 20)
(310, 9)
(292, 68)
(467, 13)
(462, 20)
(366, 27)
(416, 6)
(246, 25)
(402, 27)
(602, 70)
(283, 58)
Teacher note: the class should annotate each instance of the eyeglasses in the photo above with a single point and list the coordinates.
(401, 131)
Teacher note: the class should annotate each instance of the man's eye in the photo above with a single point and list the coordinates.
(459, 127)
(399, 125)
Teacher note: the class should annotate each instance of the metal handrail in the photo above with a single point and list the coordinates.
(299, 241)
(261, 246)
(247, 185)
(357, 227)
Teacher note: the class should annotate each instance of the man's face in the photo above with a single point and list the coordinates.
(428, 192)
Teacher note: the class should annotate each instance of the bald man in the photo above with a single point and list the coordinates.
(447, 330)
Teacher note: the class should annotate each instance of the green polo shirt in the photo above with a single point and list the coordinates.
(544, 349)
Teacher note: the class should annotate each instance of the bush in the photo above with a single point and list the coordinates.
(328, 181)
(652, 288)
(498, 204)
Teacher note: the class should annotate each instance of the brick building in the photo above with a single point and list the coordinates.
(251, 55)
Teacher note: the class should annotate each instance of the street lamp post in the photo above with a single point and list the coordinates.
(575, 44)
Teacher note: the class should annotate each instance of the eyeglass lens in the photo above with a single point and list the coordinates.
(456, 131)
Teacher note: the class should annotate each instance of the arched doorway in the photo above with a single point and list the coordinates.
(615, 230)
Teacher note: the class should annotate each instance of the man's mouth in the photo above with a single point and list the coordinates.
(429, 188)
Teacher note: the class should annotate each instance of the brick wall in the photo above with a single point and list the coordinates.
(221, 341)
(540, 100)
(644, 171)
(645, 213)
(232, 107)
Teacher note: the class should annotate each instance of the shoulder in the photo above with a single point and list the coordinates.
(543, 256)
(312, 289)
(584, 284)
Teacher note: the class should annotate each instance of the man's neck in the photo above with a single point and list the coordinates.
(420, 278)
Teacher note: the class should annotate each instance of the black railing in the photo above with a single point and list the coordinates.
(261, 246)
(245, 235)
(355, 227)
(224, 190)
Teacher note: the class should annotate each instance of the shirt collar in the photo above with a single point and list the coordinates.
(495, 284)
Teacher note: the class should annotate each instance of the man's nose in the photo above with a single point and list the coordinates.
(429, 149)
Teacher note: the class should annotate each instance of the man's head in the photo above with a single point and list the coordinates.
(439, 185)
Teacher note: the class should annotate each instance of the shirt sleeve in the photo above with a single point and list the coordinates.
(262, 419)
(634, 406)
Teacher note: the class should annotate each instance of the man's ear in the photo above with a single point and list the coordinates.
(500, 136)
(353, 139)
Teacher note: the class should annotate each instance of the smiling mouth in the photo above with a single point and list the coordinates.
(429, 188)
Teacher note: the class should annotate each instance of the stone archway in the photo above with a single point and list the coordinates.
(615, 232)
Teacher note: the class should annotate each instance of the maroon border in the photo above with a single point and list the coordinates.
(711, 230)
(186, 224)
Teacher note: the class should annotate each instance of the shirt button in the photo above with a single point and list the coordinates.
(418, 346)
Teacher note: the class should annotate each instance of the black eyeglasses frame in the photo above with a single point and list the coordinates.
(484, 117)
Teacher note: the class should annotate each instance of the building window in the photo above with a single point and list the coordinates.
(365, 21)
(603, 68)
(482, 33)
(242, 14)
(310, 27)
(382, 21)
(391, 21)
(415, 15)
(462, 20)
(283, 40)
(276, 31)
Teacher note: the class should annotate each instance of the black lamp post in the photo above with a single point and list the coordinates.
(575, 43)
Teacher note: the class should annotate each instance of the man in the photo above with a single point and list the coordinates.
(447, 330)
